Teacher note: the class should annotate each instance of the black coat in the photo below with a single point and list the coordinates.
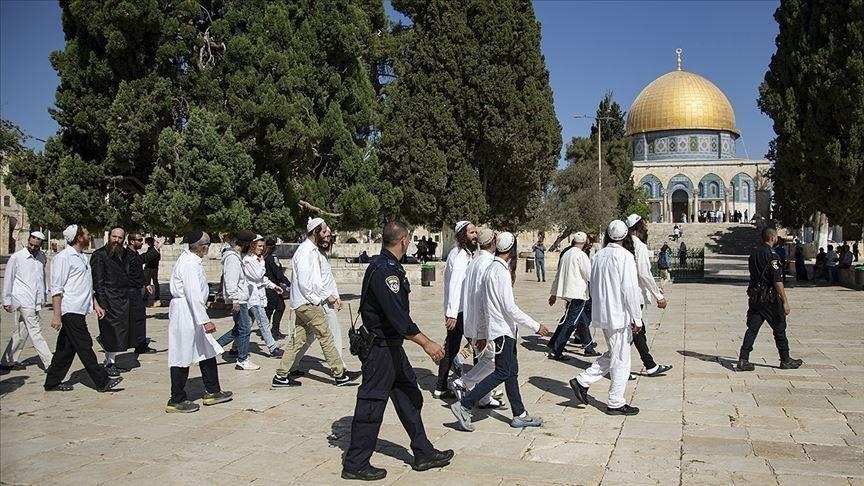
(111, 291)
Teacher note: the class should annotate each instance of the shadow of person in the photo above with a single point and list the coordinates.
(9, 385)
(195, 388)
(426, 379)
(128, 361)
(340, 436)
(563, 390)
(533, 343)
(724, 361)
(81, 376)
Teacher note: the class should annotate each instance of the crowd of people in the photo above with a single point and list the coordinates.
(611, 291)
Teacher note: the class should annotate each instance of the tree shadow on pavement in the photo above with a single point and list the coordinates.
(9, 385)
(340, 436)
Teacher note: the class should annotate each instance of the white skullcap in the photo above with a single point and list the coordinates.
(617, 230)
(257, 238)
(505, 242)
(40, 235)
(580, 237)
(461, 224)
(633, 219)
(485, 236)
(313, 223)
(70, 232)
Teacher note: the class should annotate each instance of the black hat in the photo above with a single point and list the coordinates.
(270, 242)
(193, 237)
(245, 236)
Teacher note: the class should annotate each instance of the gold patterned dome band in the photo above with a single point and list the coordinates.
(681, 100)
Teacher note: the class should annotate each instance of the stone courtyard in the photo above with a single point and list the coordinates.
(702, 423)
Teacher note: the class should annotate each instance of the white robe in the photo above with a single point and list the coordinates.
(187, 314)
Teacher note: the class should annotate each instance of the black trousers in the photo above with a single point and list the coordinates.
(386, 374)
(452, 345)
(179, 376)
(74, 339)
(506, 371)
(138, 318)
(151, 277)
(275, 309)
(756, 315)
(641, 342)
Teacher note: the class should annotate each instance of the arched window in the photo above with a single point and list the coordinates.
(745, 191)
(7, 201)
(646, 190)
(714, 190)
(701, 190)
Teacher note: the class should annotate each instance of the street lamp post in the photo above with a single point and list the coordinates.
(599, 120)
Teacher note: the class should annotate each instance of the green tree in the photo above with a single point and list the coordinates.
(468, 127)
(290, 80)
(814, 93)
(205, 179)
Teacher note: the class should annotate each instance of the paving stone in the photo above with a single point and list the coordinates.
(702, 423)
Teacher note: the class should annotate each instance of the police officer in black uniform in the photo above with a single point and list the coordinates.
(386, 370)
(767, 301)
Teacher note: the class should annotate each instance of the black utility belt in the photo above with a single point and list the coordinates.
(388, 343)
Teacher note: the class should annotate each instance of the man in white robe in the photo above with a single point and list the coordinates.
(616, 310)
(190, 331)
(474, 320)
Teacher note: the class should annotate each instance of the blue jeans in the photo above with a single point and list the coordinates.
(239, 333)
(540, 268)
(260, 315)
(506, 371)
(576, 317)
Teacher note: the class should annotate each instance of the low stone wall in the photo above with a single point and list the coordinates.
(851, 278)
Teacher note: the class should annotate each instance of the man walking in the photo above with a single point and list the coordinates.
(151, 260)
(111, 298)
(235, 292)
(500, 325)
(308, 294)
(328, 281)
(139, 291)
(387, 373)
(72, 299)
(474, 317)
(454, 277)
(767, 302)
(571, 285)
(24, 293)
(275, 303)
(190, 331)
(614, 288)
(648, 291)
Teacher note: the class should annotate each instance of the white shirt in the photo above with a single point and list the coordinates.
(454, 276)
(24, 280)
(614, 287)
(254, 270)
(327, 279)
(574, 272)
(187, 314)
(499, 306)
(71, 277)
(472, 304)
(307, 286)
(649, 287)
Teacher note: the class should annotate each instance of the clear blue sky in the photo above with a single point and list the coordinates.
(590, 47)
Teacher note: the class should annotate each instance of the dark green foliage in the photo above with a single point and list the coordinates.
(814, 92)
(468, 128)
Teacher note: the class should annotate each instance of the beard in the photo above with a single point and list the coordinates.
(115, 250)
(322, 243)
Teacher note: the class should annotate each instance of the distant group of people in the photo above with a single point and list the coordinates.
(828, 263)
(426, 249)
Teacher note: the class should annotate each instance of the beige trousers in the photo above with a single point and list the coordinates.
(27, 323)
(310, 319)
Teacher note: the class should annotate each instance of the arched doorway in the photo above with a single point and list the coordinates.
(680, 205)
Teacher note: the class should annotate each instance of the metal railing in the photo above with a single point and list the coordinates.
(690, 269)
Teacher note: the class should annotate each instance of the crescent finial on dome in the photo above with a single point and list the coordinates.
(678, 51)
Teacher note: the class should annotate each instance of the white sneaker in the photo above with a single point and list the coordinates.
(247, 365)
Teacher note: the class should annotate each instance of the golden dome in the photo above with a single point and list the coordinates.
(680, 100)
